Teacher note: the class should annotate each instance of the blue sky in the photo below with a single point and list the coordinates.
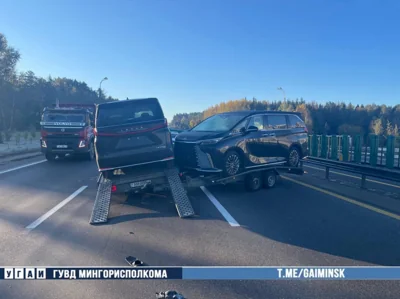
(195, 53)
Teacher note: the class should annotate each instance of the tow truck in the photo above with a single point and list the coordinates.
(67, 129)
(179, 183)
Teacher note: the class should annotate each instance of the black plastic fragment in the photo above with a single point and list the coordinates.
(133, 261)
(169, 295)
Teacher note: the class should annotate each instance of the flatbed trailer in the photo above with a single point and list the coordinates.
(178, 183)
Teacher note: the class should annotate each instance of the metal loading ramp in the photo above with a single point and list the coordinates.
(102, 202)
(182, 202)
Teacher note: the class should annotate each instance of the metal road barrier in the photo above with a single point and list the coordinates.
(376, 150)
(364, 170)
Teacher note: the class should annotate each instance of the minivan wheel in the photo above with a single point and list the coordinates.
(294, 157)
(232, 163)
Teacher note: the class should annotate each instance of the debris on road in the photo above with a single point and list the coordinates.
(133, 261)
(169, 295)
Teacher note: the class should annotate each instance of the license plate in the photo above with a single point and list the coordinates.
(62, 146)
(140, 183)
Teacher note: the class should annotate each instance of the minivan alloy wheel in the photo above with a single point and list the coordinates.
(232, 164)
(294, 157)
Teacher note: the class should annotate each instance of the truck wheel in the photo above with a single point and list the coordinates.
(90, 154)
(50, 157)
(253, 182)
(269, 180)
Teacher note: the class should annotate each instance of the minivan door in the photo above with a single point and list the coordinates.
(278, 129)
(260, 144)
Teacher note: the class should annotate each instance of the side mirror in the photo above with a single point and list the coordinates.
(252, 129)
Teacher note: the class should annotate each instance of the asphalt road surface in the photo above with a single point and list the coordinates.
(45, 208)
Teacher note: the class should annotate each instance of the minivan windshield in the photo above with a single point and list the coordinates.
(219, 123)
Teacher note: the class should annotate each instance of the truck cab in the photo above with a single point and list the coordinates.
(67, 130)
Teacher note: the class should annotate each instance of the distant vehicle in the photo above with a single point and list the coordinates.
(234, 141)
(131, 133)
(67, 129)
(174, 133)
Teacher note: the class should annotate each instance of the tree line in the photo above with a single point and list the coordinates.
(329, 118)
(23, 95)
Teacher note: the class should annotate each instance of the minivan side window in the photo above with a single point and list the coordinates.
(295, 122)
(276, 122)
(240, 126)
(257, 121)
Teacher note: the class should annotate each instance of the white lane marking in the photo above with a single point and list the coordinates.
(22, 166)
(354, 177)
(42, 218)
(228, 217)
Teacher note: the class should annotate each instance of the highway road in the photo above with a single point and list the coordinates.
(45, 208)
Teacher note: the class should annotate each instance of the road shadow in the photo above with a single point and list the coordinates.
(160, 205)
(299, 216)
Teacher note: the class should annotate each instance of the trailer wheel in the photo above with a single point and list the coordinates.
(253, 182)
(269, 179)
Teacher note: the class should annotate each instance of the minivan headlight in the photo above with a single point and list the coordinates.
(210, 141)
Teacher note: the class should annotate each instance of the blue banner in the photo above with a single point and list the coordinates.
(203, 273)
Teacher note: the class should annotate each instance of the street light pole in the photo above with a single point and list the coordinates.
(284, 94)
(105, 78)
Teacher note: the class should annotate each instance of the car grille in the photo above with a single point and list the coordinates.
(189, 155)
(185, 155)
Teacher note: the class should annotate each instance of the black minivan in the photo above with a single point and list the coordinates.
(234, 141)
(132, 133)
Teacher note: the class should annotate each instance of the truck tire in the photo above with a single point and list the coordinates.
(90, 154)
(253, 182)
(50, 157)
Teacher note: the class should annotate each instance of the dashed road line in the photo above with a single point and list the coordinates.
(22, 166)
(42, 218)
(228, 217)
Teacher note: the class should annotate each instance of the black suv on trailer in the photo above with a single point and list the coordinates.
(233, 141)
(132, 133)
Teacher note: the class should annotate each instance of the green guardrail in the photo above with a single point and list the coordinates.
(376, 150)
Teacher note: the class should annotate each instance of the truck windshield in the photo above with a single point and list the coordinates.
(63, 117)
(219, 123)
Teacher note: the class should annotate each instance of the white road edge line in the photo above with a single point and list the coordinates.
(355, 177)
(42, 218)
(228, 217)
(23, 166)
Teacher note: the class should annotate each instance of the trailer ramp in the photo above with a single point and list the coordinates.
(102, 202)
(182, 202)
